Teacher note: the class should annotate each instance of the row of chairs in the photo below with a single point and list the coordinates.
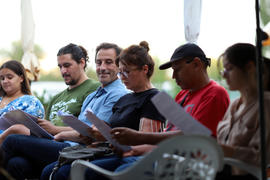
(180, 157)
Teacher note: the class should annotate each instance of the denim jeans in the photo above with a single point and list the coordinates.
(111, 163)
(26, 156)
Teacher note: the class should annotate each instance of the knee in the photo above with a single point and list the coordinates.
(11, 139)
(13, 163)
(15, 166)
(46, 172)
(18, 129)
(60, 174)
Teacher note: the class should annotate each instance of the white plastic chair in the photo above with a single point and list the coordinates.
(180, 157)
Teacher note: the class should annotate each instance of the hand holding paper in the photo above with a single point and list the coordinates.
(75, 123)
(21, 117)
(105, 131)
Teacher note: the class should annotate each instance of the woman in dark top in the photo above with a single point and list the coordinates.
(135, 110)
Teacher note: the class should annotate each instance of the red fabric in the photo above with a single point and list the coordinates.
(207, 105)
(150, 125)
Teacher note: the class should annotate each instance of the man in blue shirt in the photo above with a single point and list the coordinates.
(26, 156)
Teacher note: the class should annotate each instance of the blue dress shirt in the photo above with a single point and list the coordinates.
(102, 100)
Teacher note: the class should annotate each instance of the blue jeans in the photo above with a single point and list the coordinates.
(26, 156)
(111, 163)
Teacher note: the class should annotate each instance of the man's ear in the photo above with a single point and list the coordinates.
(197, 63)
(82, 62)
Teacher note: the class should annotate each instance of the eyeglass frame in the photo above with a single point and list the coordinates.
(125, 73)
(225, 71)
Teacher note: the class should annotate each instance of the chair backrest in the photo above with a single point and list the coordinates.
(180, 157)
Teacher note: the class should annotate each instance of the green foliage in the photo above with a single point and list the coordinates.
(265, 18)
(214, 70)
(264, 9)
(16, 51)
(44, 98)
(91, 73)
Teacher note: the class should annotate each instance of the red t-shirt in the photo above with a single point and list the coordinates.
(207, 105)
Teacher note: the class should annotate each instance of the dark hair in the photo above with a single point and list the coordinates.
(18, 69)
(77, 52)
(240, 54)
(108, 46)
(137, 55)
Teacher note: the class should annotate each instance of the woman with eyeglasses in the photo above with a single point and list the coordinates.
(134, 110)
(239, 131)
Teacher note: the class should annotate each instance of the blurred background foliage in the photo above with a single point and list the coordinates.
(265, 20)
(16, 51)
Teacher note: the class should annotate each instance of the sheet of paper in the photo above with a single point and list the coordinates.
(176, 115)
(20, 117)
(105, 131)
(75, 123)
(4, 123)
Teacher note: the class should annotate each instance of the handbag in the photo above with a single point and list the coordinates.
(72, 153)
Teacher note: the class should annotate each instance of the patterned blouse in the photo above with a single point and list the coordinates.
(27, 103)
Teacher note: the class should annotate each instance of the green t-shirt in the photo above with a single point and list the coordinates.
(70, 101)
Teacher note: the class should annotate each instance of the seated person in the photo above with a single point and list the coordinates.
(204, 97)
(15, 93)
(106, 72)
(72, 60)
(239, 131)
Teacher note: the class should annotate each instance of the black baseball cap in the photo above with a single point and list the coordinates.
(186, 50)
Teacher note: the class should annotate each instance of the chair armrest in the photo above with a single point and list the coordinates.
(254, 170)
(78, 168)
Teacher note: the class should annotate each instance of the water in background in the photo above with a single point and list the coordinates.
(54, 87)
(50, 87)
(233, 95)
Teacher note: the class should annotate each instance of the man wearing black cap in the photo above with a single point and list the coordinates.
(201, 97)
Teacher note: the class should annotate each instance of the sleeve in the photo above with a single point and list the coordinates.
(33, 106)
(150, 111)
(250, 154)
(212, 109)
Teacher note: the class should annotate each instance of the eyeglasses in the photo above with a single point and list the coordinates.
(226, 70)
(125, 73)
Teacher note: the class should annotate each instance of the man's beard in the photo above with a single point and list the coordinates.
(71, 82)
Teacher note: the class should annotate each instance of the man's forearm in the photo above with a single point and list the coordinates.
(155, 138)
(59, 129)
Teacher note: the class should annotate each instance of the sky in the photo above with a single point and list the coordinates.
(126, 22)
